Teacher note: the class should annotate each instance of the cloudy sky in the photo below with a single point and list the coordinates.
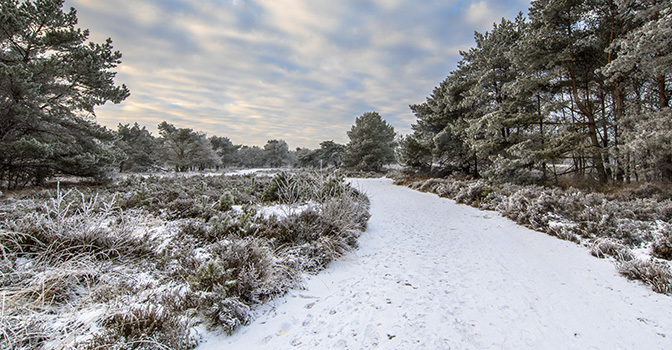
(298, 70)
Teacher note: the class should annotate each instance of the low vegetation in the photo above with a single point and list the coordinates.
(633, 226)
(149, 262)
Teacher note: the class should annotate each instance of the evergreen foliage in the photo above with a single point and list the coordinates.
(581, 87)
(276, 153)
(143, 151)
(225, 149)
(51, 79)
(187, 149)
(251, 157)
(328, 155)
(372, 143)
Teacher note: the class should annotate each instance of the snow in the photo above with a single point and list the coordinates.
(431, 274)
(283, 210)
(267, 171)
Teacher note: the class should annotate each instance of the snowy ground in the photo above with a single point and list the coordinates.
(430, 274)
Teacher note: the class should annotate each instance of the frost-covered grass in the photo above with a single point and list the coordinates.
(632, 226)
(149, 261)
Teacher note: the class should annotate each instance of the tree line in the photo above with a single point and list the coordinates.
(372, 144)
(183, 149)
(51, 80)
(581, 87)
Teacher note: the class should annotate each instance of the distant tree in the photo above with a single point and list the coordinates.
(328, 155)
(251, 157)
(225, 149)
(371, 143)
(187, 149)
(305, 157)
(331, 153)
(142, 150)
(50, 81)
(276, 153)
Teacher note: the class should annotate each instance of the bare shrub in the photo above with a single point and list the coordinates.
(662, 246)
(604, 247)
(655, 273)
(142, 327)
(563, 232)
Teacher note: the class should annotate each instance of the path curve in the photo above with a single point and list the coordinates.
(431, 274)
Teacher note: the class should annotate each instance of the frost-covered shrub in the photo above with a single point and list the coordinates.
(662, 245)
(226, 201)
(473, 193)
(655, 273)
(518, 204)
(228, 313)
(631, 232)
(142, 327)
(429, 185)
(70, 225)
(604, 247)
(452, 189)
(563, 232)
(195, 232)
(244, 268)
(236, 275)
(285, 188)
(298, 229)
(665, 211)
(175, 243)
(649, 190)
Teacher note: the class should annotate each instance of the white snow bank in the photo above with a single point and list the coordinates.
(430, 274)
(283, 210)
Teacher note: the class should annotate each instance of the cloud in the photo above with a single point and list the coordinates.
(299, 70)
(482, 14)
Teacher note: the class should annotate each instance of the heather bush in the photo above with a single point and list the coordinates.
(473, 193)
(142, 327)
(604, 247)
(140, 263)
(655, 273)
(662, 245)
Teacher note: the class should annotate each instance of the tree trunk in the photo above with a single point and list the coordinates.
(592, 129)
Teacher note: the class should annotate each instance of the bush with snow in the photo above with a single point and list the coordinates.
(142, 263)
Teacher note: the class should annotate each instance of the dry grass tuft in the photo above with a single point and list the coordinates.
(655, 273)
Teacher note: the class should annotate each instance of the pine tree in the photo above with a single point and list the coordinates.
(371, 143)
(51, 80)
(187, 149)
(642, 69)
(276, 153)
(142, 150)
(225, 149)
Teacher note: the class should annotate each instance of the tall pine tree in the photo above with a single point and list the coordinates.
(51, 79)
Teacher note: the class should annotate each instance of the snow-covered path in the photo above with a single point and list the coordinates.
(430, 274)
